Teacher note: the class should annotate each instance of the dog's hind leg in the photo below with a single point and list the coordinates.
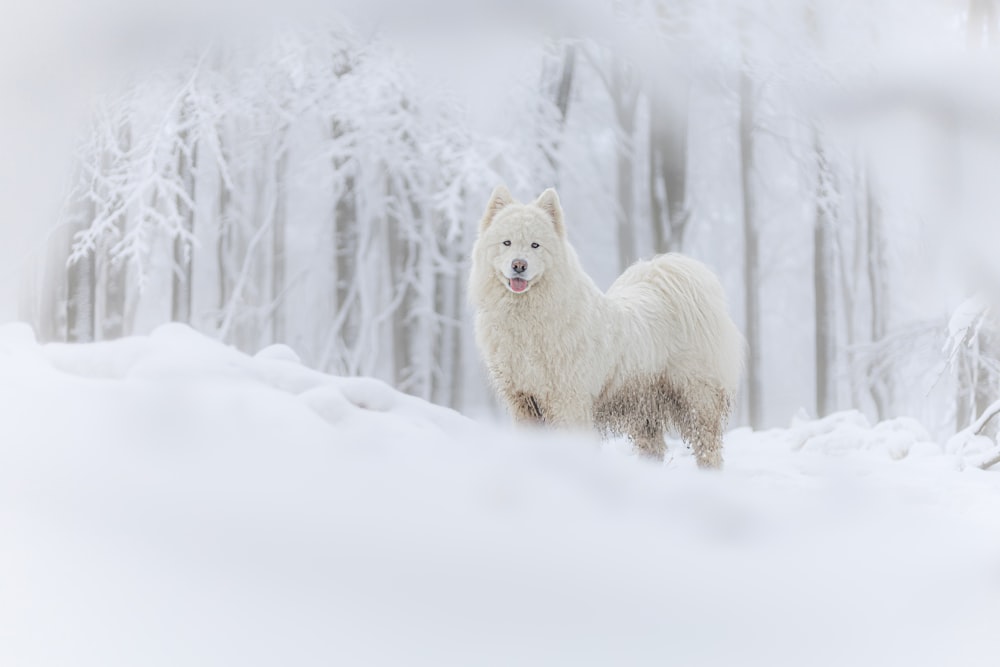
(700, 414)
(647, 434)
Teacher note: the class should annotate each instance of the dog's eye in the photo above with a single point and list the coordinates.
(534, 245)
(506, 242)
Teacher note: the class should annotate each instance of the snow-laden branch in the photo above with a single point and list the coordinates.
(977, 427)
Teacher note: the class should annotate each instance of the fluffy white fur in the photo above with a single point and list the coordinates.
(657, 350)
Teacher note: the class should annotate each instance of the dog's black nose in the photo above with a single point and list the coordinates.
(519, 265)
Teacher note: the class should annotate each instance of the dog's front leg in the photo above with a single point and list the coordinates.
(525, 408)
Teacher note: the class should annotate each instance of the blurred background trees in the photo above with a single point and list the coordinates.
(320, 186)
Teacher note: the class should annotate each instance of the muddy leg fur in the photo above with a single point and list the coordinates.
(524, 408)
(700, 414)
(648, 439)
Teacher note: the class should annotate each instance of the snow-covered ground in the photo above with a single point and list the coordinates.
(166, 500)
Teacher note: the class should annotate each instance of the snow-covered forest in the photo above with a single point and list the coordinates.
(243, 420)
(318, 184)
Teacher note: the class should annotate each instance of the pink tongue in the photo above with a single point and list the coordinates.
(518, 284)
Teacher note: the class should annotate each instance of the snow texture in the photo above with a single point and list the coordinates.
(167, 500)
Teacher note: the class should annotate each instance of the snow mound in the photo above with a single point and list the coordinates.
(850, 433)
(279, 352)
(169, 500)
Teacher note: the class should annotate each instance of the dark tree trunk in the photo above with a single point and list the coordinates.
(115, 291)
(668, 130)
(566, 81)
(624, 95)
(625, 236)
(562, 96)
(278, 268)
(345, 231)
(457, 350)
(877, 374)
(80, 289)
(180, 306)
(823, 283)
(51, 302)
(402, 258)
(751, 266)
(223, 248)
(180, 303)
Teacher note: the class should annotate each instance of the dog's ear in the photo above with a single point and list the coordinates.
(500, 198)
(548, 201)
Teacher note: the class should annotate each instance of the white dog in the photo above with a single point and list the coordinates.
(657, 350)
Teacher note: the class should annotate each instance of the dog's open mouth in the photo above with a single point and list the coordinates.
(517, 284)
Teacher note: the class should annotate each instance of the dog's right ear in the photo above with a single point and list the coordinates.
(548, 201)
(500, 198)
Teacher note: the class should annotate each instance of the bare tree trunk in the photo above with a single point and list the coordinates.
(80, 305)
(566, 81)
(986, 390)
(852, 267)
(626, 241)
(278, 269)
(425, 327)
(115, 291)
(658, 198)
(456, 351)
(401, 259)
(668, 130)
(963, 395)
(81, 276)
(877, 374)
(113, 283)
(562, 95)
(823, 282)
(448, 306)
(444, 339)
(345, 261)
(624, 94)
(223, 246)
(751, 266)
(180, 305)
(50, 302)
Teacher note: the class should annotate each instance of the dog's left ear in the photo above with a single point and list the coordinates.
(500, 198)
(548, 201)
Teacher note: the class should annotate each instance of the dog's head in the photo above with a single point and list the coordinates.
(517, 242)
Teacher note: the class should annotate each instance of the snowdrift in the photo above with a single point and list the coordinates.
(166, 500)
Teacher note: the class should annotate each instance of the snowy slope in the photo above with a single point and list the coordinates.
(166, 500)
